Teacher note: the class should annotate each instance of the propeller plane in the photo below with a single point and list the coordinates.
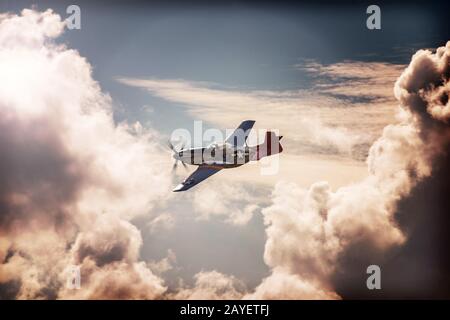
(232, 153)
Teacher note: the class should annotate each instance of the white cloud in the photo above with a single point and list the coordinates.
(212, 285)
(285, 286)
(165, 264)
(309, 229)
(234, 202)
(73, 179)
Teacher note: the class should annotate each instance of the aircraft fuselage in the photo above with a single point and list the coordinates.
(223, 156)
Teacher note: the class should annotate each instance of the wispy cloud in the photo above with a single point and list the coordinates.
(321, 120)
(372, 82)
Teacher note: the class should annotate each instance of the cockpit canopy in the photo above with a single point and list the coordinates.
(218, 150)
(221, 146)
(213, 145)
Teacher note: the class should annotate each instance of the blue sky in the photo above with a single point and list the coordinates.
(234, 45)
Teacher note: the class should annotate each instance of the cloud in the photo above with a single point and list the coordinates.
(163, 221)
(235, 202)
(72, 179)
(165, 264)
(312, 123)
(312, 233)
(212, 285)
(325, 134)
(424, 86)
(285, 286)
(117, 281)
(322, 130)
(372, 81)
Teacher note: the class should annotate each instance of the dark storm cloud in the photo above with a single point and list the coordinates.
(39, 177)
(419, 268)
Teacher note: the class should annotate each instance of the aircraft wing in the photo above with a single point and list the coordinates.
(202, 172)
(239, 136)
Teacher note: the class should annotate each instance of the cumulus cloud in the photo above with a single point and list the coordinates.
(234, 202)
(424, 86)
(165, 264)
(71, 178)
(288, 286)
(212, 285)
(310, 231)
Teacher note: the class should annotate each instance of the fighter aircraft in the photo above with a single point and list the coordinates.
(232, 153)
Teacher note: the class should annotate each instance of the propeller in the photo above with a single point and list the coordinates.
(175, 164)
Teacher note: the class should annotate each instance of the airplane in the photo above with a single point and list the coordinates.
(232, 153)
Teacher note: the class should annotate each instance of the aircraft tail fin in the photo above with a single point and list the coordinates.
(270, 146)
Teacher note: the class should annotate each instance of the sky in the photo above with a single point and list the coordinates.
(87, 114)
